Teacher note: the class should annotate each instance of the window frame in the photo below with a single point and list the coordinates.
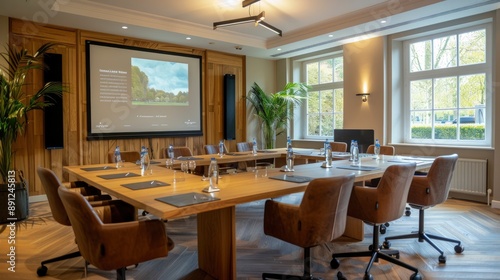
(318, 87)
(456, 71)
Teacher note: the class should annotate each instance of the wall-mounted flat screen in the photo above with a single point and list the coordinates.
(135, 92)
(365, 137)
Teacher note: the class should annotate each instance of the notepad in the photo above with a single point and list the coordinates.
(358, 167)
(145, 185)
(99, 168)
(118, 175)
(187, 199)
(292, 178)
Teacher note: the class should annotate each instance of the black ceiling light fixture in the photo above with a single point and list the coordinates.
(257, 20)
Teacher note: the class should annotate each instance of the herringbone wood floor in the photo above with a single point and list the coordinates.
(476, 225)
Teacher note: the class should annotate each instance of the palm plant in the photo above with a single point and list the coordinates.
(15, 103)
(273, 109)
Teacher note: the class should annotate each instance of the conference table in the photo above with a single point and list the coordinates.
(156, 193)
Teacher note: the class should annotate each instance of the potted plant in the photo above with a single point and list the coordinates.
(273, 109)
(15, 104)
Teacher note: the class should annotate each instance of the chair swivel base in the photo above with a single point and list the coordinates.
(289, 277)
(42, 270)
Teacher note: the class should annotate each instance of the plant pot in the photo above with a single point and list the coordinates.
(14, 203)
(268, 138)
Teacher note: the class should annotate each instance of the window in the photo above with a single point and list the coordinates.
(325, 99)
(447, 87)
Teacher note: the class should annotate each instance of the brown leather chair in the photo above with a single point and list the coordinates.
(338, 147)
(320, 218)
(117, 245)
(179, 152)
(127, 156)
(427, 191)
(213, 149)
(376, 206)
(109, 211)
(384, 150)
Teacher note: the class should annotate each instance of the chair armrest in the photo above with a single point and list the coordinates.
(419, 191)
(114, 211)
(129, 243)
(279, 218)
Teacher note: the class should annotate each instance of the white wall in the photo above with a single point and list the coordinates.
(4, 34)
(262, 72)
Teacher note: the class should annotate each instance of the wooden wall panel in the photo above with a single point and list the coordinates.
(30, 149)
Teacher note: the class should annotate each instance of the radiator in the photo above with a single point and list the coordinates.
(470, 176)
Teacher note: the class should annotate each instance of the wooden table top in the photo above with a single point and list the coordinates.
(234, 188)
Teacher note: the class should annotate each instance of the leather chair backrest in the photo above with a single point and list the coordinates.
(178, 152)
(439, 178)
(50, 184)
(384, 150)
(244, 146)
(338, 147)
(387, 201)
(213, 149)
(127, 156)
(324, 208)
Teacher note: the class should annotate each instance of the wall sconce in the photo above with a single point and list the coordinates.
(364, 96)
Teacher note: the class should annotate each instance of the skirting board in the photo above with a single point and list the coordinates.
(495, 204)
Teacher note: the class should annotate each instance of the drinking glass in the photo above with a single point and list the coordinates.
(192, 166)
(184, 167)
(169, 163)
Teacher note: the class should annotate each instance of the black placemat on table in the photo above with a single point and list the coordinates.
(292, 178)
(187, 199)
(266, 151)
(358, 167)
(99, 168)
(118, 175)
(189, 158)
(145, 185)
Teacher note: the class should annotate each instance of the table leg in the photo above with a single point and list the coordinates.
(217, 243)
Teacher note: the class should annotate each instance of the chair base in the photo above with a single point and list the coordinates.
(42, 270)
(288, 277)
(375, 253)
(422, 236)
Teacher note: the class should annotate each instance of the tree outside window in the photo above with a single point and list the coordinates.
(446, 83)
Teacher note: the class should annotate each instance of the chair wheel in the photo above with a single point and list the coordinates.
(442, 259)
(42, 270)
(459, 249)
(370, 248)
(368, 277)
(387, 224)
(416, 276)
(341, 276)
(386, 244)
(144, 213)
(334, 263)
(407, 213)
(383, 229)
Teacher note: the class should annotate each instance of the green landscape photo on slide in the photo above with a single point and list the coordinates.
(149, 87)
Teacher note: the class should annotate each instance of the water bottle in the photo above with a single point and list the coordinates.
(144, 161)
(254, 147)
(352, 147)
(171, 151)
(213, 173)
(221, 148)
(289, 156)
(328, 156)
(355, 154)
(118, 157)
(376, 150)
(326, 145)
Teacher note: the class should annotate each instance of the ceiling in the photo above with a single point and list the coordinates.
(307, 26)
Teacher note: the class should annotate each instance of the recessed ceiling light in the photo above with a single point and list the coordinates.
(278, 49)
(188, 38)
(330, 35)
(124, 27)
(383, 21)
